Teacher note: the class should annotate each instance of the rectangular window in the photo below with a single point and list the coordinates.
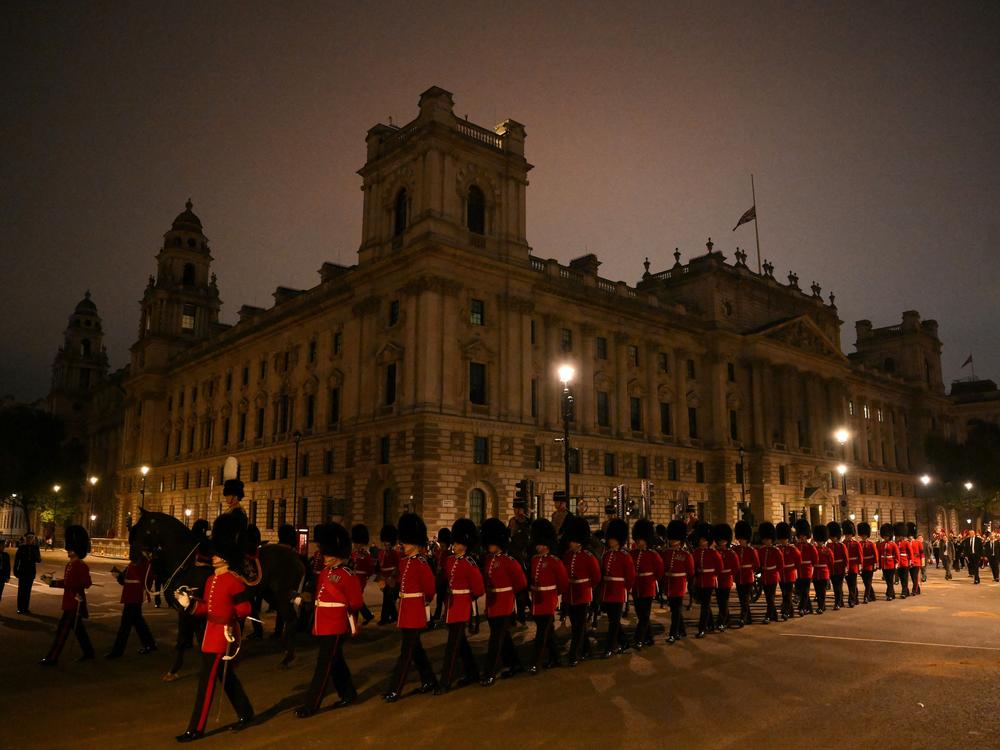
(603, 409)
(270, 514)
(282, 511)
(481, 450)
(730, 372)
(194, 395)
(477, 383)
(225, 430)
(566, 340)
(477, 312)
(609, 464)
(532, 331)
(662, 362)
(246, 376)
(170, 404)
(259, 428)
(338, 342)
(263, 369)
(285, 360)
(642, 466)
(310, 411)
(666, 428)
(180, 399)
(574, 460)
(734, 425)
(252, 512)
(229, 380)
(334, 416)
(699, 472)
(393, 312)
(254, 471)
(601, 345)
(782, 475)
(866, 411)
(383, 449)
(690, 369)
(272, 469)
(284, 467)
(850, 407)
(241, 428)
(633, 355)
(328, 462)
(635, 413)
(539, 456)
(390, 384)
(304, 468)
(693, 421)
(187, 480)
(878, 414)
(534, 397)
(188, 313)
(191, 440)
(739, 473)
(672, 469)
(312, 351)
(303, 511)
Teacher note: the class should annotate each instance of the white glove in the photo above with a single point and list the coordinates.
(297, 601)
(183, 598)
(47, 579)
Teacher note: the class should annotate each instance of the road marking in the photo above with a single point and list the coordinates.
(882, 640)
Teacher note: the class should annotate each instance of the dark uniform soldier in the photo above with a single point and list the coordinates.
(504, 578)
(584, 572)
(519, 530)
(74, 583)
(648, 572)
(26, 558)
(973, 549)
(548, 580)
(463, 587)
(133, 583)
(993, 555)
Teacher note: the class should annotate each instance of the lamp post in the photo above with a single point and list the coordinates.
(968, 488)
(842, 435)
(92, 518)
(187, 517)
(295, 479)
(566, 373)
(842, 470)
(92, 481)
(743, 483)
(144, 470)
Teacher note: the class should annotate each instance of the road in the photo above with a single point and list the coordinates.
(899, 674)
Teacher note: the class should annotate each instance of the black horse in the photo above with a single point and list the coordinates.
(171, 548)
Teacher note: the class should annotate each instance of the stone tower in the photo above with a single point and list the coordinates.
(910, 350)
(79, 366)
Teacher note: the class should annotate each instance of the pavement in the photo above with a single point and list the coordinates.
(903, 674)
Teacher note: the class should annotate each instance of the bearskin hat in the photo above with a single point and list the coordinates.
(228, 540)
(802, 527)
(900, 529)
(743, 530)
(723, 532)
(199, 529)
(703, 530)
(911, 529)
(495, 532)
(617, 529)
(253, 537)
(848, 528)
(834, 530)
(661, 531)
(782, 531)
(78, 540)
(885, 530)
(464, 532)
(444, 536)
(677, 530)
(334, 541)
(864, 529)
(821, 533)
(412, 530)
(287, 535)
(575, 529)
(388, 534)
(359, 534)
(766, 531)
(642, 530)
(543, 533)
(233, 488)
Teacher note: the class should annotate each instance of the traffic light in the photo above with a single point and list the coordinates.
(523, 492)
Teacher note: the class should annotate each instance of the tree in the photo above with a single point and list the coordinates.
(34, 457)
(977, 460)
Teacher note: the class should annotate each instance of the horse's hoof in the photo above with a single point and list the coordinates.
(170, 677)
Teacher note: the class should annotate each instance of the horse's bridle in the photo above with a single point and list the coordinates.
(166, 585)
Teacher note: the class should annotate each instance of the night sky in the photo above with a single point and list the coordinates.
(873, 130)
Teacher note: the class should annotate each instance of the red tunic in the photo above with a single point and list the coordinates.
(839, 550)
(74, 583)
(338, 598)
(823, 567)
(648, 570)
(618, 571)
(854, 555)
(707, 563)
(916, 553)
(748, 563)
(678, 568)
(772, 565)
(548, 581)
(220, 610)
(807, 558)
(504, 579)
(133, 581)
(584, 572)
(792, 560)
(888, 555)
(729, 569)
(363, 565)
(869, 555)
(388, 566)
(465, 584)
(903, 558)
(416, 590)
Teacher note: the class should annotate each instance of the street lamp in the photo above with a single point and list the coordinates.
(187, 516)
(92, 481)
(743, 483)
(93, 517)
(566, 373)
(144, 470)
(968, 486)
(57, 487)
(842, 435)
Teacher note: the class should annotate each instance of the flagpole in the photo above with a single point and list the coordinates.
(756, 219)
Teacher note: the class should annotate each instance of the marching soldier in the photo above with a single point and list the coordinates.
(888, 557)
(839, 567)
(723, 533)
(548, 580)
(791, 562)
(584, 572)
(747, 566)
(678, 569)
(648, 571)
(363, 565)
(869, 560)
(74, 583)
(337, 600)
(808, 558)
(416, 590)
(617, 578)
(504, 579)
(133, 583)
(463, 586)
(916, 557)
(772, 568)
(707, 563)
(388, 574)
(224, 605)
(903, 562)
(822, 567)
(854, 557)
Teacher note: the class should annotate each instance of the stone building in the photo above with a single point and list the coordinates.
(424, 376)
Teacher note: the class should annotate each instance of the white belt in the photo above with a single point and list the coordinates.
(647, 573)
(613, 578)
(411, 595)
(747, 566)
(676, 575)
(132, 580)
(501, 589)
(580, 580)
(725, 570)
(543, 588)
(330, 604)
(770, 567)
(707, 570)
(460, 591)
(820, 565)
(387, 570)
(790, 566)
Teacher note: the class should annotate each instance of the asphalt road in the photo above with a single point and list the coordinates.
(904, 674)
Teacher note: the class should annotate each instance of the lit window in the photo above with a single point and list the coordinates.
(477, 312)
(187, 317)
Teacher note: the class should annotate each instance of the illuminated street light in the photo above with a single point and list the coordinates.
(92, 480)
(56, 487)
(852, 516)
(925, 480)
(841, 469)
(187, 516)
(969, 486)
(144, 470)
(842, 435)
(566, 373)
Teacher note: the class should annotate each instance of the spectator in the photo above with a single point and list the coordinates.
(25, 560)
(4, 566)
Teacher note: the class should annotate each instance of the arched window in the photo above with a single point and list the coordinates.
(187, 278)
(476, 210)
(399, 213)
(388, 511)
(477, 506)
(85, 347)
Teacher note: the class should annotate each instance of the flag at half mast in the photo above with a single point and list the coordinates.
(747, 217)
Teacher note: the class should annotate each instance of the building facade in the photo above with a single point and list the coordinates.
(424, 376)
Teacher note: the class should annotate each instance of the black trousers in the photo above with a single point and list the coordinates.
(458, 648)
(805, 603)
(330, 663)
(523, 601)
(819, 586)
(772, 611)
(579, 641)
(903, 576)
(643, 628)
(545, 641)
(24, 585)
(69, 623)
(501, 646)
(722, 600)
(213, 671)
(188, 627)
(441, 589)
(366, 613)
(787, 602)
(704, 597)
(132, 618)
(974, 569)
(994, 567)
(389, 613)
(411, 651)
(616, 637)
(915, 580)
(743, 594)
(676, 616)
(890, 583)
(867, 576)
(838, 590)
(852, 589)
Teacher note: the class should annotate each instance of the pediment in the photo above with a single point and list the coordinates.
(803, 334)
(391, 352)
(476, 349)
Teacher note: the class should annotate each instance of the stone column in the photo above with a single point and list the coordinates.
(549, 385)
(716, 386)
(584, 386)
(789, 410)
(651, 406)
(757, 404)
(452, 364)
(431, 339)
(621, 421)
(680, 403)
